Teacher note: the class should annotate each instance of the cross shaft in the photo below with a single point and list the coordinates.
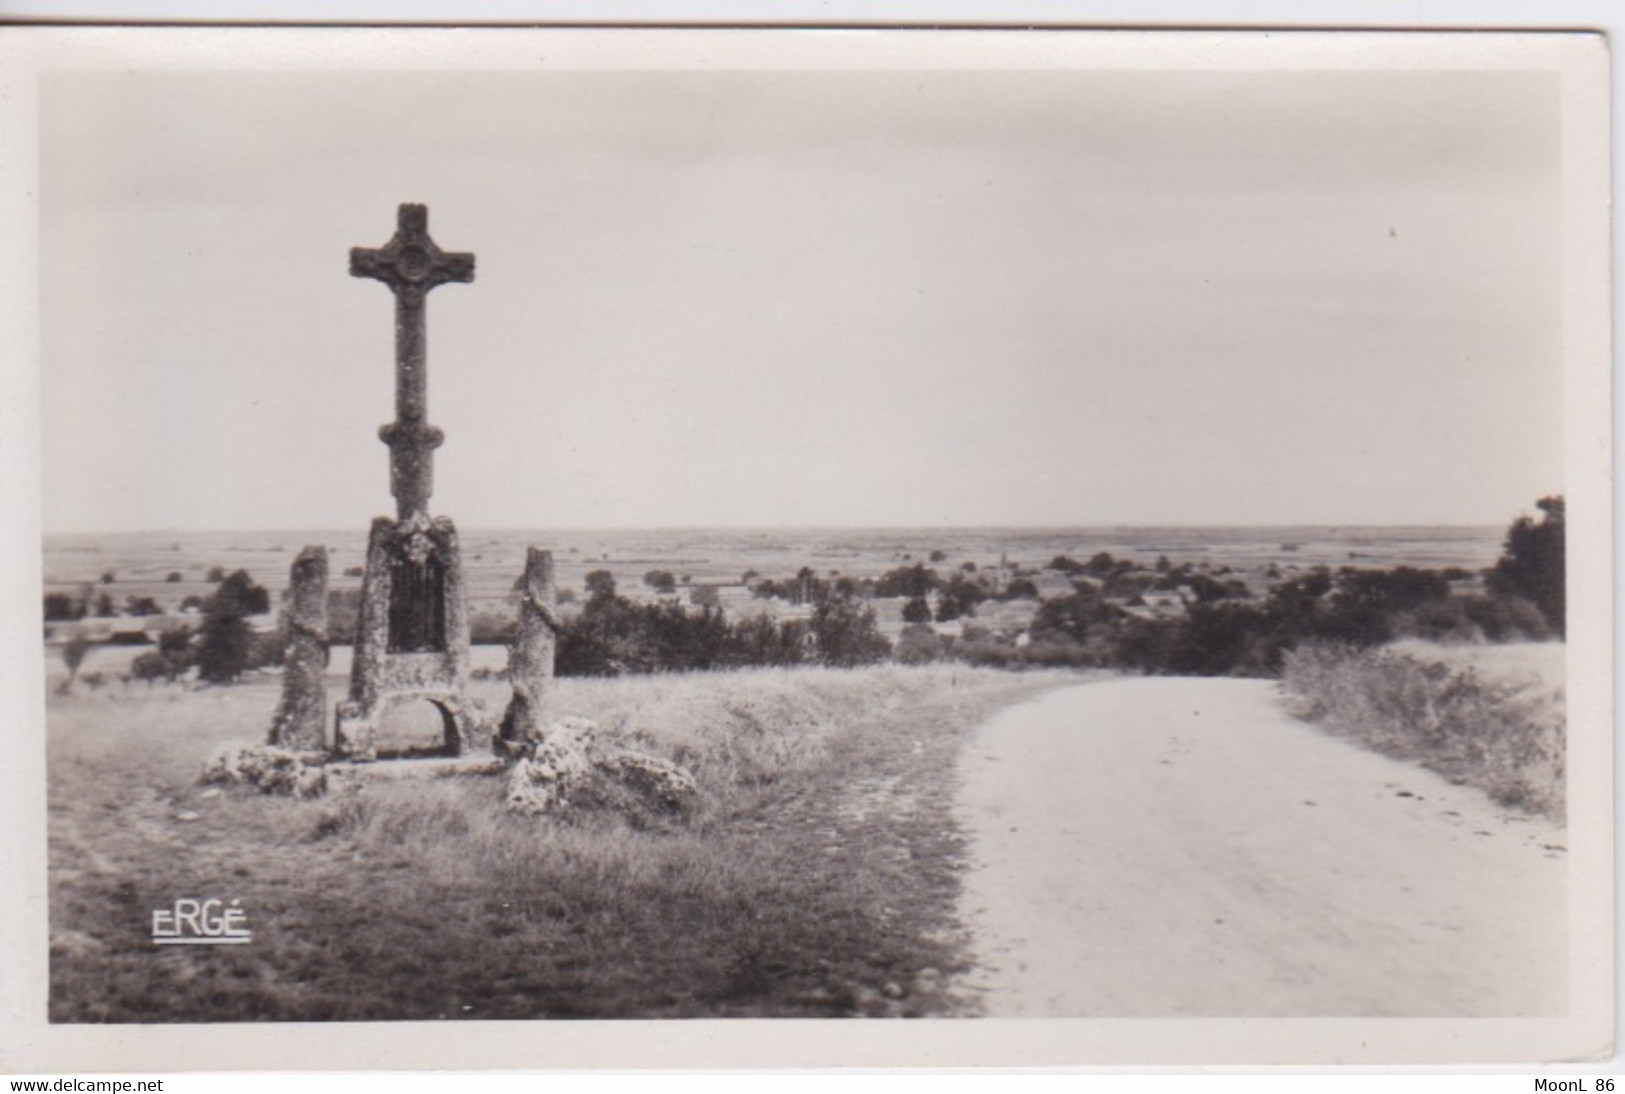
(411, 264)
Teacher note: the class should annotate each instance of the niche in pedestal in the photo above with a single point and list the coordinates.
(412, 640)
(417, 605)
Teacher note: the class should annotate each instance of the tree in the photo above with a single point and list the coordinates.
(846, 633)
(1067, 565)
(909, 581)
(808, 588)
(600, 585)
(226, 641)
(661, 581)
(916, 610)
(176, 644)
(958, 598)
(1532, 563)
(1022, 588)
(61, 607)
(74, 652)
(1365, 605)
(762, 640)
(1102, 563)
(1075, 618)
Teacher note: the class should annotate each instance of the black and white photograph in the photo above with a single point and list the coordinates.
(747, 531)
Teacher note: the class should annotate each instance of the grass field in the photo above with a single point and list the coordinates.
(817, 878)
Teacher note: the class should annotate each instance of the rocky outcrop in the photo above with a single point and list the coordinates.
(267, 768)
(564, 770)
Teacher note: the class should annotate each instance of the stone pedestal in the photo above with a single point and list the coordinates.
(530, 662)
(411, 636)
(301, 720)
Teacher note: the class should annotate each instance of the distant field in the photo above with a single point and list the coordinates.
(140, 562)
(112, 661)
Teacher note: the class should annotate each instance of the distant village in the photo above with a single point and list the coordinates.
(1002, 599)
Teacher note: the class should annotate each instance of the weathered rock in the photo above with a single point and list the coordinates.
(268, 768)
(659, 785)
(301, 720)
(554, 769)
(530, 662)
(564, 769)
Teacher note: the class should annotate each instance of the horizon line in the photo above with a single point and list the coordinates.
(655, 528)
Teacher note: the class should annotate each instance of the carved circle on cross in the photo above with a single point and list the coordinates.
(413, 263)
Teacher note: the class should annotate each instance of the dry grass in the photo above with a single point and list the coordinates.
(1505, 738)
(818, 876)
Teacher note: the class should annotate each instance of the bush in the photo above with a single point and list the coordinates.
(492, 628)
(1474, 619)
(155, 665)
(343, 615)
(918, 645)
(1481, 734)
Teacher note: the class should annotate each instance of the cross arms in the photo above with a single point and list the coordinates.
(410, 263)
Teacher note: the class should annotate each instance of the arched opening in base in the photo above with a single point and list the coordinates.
(416, 727)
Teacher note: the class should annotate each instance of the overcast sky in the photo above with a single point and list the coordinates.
(844, 298)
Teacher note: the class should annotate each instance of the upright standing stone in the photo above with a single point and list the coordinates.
(412, 634)
(301, 720)
(530, 663)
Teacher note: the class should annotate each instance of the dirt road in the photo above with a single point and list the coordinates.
(1168, 847)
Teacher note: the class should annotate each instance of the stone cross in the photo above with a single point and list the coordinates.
(411, 264)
